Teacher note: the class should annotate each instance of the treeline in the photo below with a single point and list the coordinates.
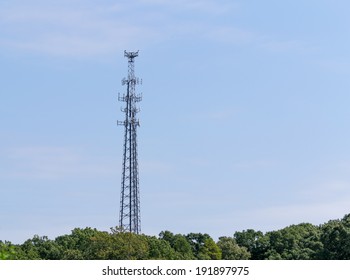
(329, 241)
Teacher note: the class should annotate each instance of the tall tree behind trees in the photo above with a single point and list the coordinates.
(255, 242)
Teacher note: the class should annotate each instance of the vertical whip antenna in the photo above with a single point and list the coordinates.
(129, 217)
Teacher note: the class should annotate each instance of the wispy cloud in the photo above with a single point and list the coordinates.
(84, 28)
(327, 190)
(206, 6)
(53, 163)
(258, 164)
(285, 45)
(231, 35)
(81, 29)
(64, 30)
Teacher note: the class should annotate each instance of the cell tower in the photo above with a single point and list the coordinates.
(129, 217)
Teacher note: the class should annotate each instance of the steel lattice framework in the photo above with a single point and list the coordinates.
(129, 217)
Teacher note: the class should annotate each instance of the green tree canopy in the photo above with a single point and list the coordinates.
(296, 242)
(231, 251)
(203, 246)
(335, 237)
(179, 243)
(255, 242)
(7, 251)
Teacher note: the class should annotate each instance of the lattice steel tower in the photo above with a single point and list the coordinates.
(129, 217)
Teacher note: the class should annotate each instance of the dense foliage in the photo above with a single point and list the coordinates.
(330, 241)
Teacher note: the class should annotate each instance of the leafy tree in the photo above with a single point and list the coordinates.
(182, 247)
(203, 246)
(210, 250)
(72, 254)
(160, 249)
(40, 248)
(102, 246)
(255, 242)
(118, 246)
(7, 251)
(336, 239)
(296, 242)
(231, 251)
(28, 251)
(300, 242)
(167, 236)
(272, 254)
(74, 245)
(179, 243)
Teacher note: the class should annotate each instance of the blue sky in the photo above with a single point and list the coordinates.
(244, 119)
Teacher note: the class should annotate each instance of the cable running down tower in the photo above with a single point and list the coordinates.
(129, 217)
